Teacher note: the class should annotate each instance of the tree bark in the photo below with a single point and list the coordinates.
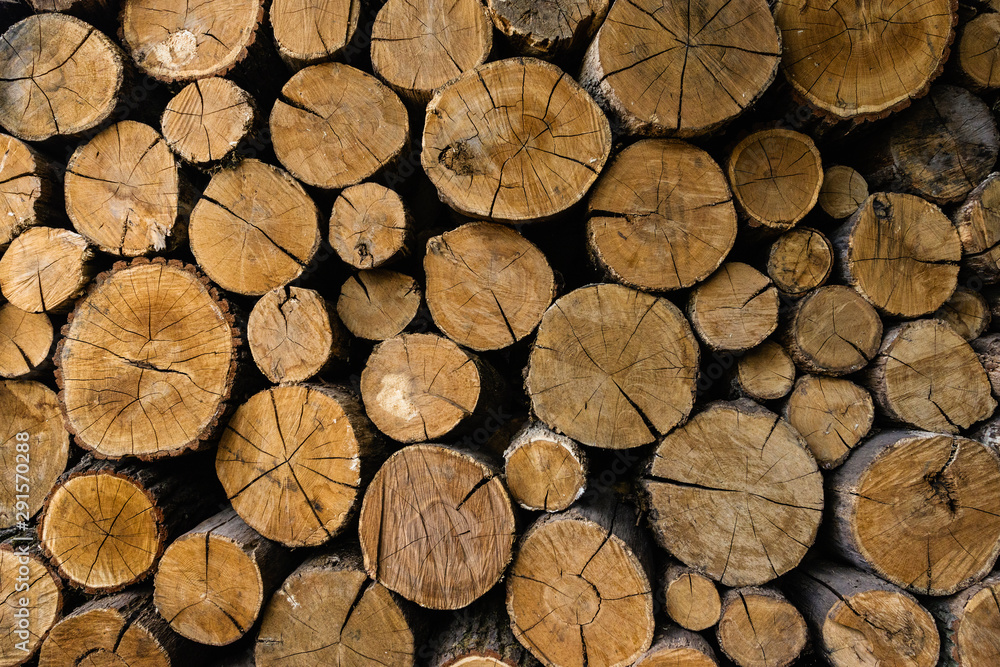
(548, 30)
(678, 648)
(478, 636)
(831, 414)
(25, 342)
(544, 470)
(844, 190)
(45, 269)
(759, 627)
(735, 309)
(370, 226)
(378, 304)
(800, 260)
(205, 122)
(32, 601)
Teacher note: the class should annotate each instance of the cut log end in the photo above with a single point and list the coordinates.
(970, 621)
(29, 196)
(832, 331)
(967, 312)
(978, 223)
(29, 590)
(844, 190)
(25, 341)
(765, 373)
(378, 304)
(45, 269)
(545, 471)
(735, 309)
(369, 226)
(692, 599)
(800, 260)
(547, 30)
(761, 628)
(832, 414)
(206, 121)
(308, 32)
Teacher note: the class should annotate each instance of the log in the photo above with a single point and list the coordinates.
(205, 122)
(327, 612)
(858, 620)
(130, 391)
(673, 647)
(105, 523)
(978, 223)
(844, 190)
(266, 214)
(734, 493)
(45, 269)
(908, 49)
(765, 373)
(637, 66)
(58, 76)
(115, 630)
(293, 461)
(579, 590)
(370, 226)
(884, 253)
(29, 196)
(927, 376)
(72, 6)
(940, 148)
(478, 636)
(976, 51)
(660, 203)
(831, 414)
(487, 286)
(307, 32)
(544, 470)
(194, 585)
(759, 627)
(294, 334)
(416, 49)
(967, 312)
(735, 309)
(548, 30)
(378, 304)
(335, 126)
(201, 41)
(987, 349)
(832, 331)
(420, 387)
(916, 509)
(691, 599)
(776, 177)
(498, 175)
(25, 341)
(32, 602)
(125, 193)
(36, 449)
(436, 526)
(570, 364)
(970, 624)
(800, 260)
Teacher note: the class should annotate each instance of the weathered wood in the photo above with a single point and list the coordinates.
(970, 624)
(765, 373)
(975, 52)
(497, 175)
(735, 309)
(547, 30)
(691, 599)
(967, 312)
(600, 333)
(29, 196)
(25, 341)
(45, 269)
(832, 331)
(660, 203)
(206, 121)
(436, 526)
(844, 190)
(759, 627)
(544, 470)
(32, 602)
(478, 636)
(831, 414)
(673, 647)
(978, 223)
(307, 32)
(800, 260)
(378, 304)
(370, 226)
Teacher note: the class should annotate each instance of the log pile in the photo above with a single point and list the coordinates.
(490, 333)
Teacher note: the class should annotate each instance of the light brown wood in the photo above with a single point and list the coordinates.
(29, 194)
(681, 69)
(420, 387)
(844, 190)
(294, 334)
(206, 121)
(776, 176)
(926, 375)
(831, 414)
(735, 309)
(916, 509)
(474, 154)
(766, 372)
(197, 41)
(978, 223)
(378, 304)
(45, 269)
(970, 624)
(58, 76)
(579, 592)
(124, 191)
(887, 254)
(975, 51)
(544, 470)
(417, 48)
(327, 612)
(32, 602)
(967, 312)
(35, 452)
(25, 341)
(598, 352)
(691, 599)
(547, 30)
(370, 226)
(760, 628)
(254, 228)
(436, 526)
(673, 647)
(487, 286)
(800, 260)
(832, 331)
(987, 348)
(735, 493)
(309, 31)
(660, 204)
(293, 461)
(903, 50)
(858, 620)
(147, 361)
(214, 579)
(335, 126)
